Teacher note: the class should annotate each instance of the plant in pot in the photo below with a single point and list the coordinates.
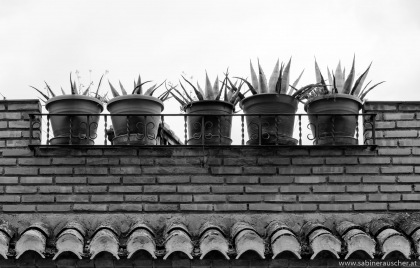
(213, 106)
(273, 97)
(74, 117)
(334, 109)
(129, 114)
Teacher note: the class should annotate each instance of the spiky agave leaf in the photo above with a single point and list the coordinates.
(285, 78)
(363, 95)
(339, 78)
(62, 91)
(49, 89)
(293, 87)
(73, 86)
(99, 85)
(183, 88)
(122, 89)
(113, 90)
(251, 88)
(40, 92)
(262, 80)
(199, 89)
(330, 80)
(278, 84)
(208, 90)
(139, 88)
(359, 82)
(317, 73)
(179, 93)
(152, 89)
(216, 86)
(198, 93)
(349, 81)
(254, 79)
(273, 78)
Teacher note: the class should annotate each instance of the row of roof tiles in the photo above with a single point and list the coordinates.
(346, 239)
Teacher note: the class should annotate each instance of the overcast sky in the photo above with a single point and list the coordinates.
(160, 39)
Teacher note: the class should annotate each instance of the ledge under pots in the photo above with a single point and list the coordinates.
(213, 128)
(74, 129)
(337, 128)
(270, 129)
(135, 129)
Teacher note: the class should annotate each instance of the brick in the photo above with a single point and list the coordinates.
(139, 180)
(36, 180)
(295, 189)
(242, 179)
(8, 180)
(53, 208)
(406, 160)
(335, 207)
(408, 124)
(193, 189)
(408, 179)
(370, 206)
(175, 198)
(277, 161)
(409, 143)
(89, 207)
(380, 106)
(243, 161)
(341, 161)
(384, 125)
(207, 179)
(37, 198)
(21, 189)
(90, 189)
(24, 106)
(213, 161)
(394, 151)
(374, 160)
(106, 198)
(20, 171)
(171, 161)
(396, 170)
(125, 170)
(160, 189)
(141, 198)
(9, 199)
(3, 124)
(279, 198)
(230, 207)
(319, 151)
(404, 206)
(299, 207)
(244, 198)
(91, 170)
(227, 189)
(120, 152)
(72, 198)
(382, 197)
(362, 170)
(415, 151)
(386, 143)
(260, 170)
(174, 170)
(160, 207)
(310, 179)
(292, 151)
(226, 170)
(401, 134)
(316, 198)
(360, 151)
(137, 161)
(71, 180)
(126, 189)
(265, 207)
(344, 179)
(17, 143)
(196, 207)
(261, 189)
(276, 180)
(103, 161)
(173, 179)
(55, 170)
(55, 189)
(362, 188)
(34, 161)
(10, 134)
(19, 124)
(8, 161)
(329, 189)
(126, 207)
(379, 179)
(210, 198)
(69, 161)
(104, 180)
(294, 170)
(408, 197)
(349, 198)
(413, 106)
(398, 116)
(308, 161)
(18, 208)
(17, 152)
(395, 188)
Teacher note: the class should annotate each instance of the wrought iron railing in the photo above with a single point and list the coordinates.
(203, 129)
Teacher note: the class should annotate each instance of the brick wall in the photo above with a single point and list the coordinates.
(225, 179)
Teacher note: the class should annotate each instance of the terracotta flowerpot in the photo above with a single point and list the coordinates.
(270, 129)
(211, 129)
(76, 129)
(135, 129)
(335, 128)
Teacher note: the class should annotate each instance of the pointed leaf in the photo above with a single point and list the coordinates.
(208, 90)
(253, 91)
(285, 78)
(186, 93)
(178, 99)
(262, 81)
(122, 89)
(99, 85)
(113, 90)
(293, 87)
(73, 86)
(219, 92)
(334, 85)
(198, 93)
(254, 79)
(330, 80)
(367, 91)
(215, 89)
(180, 95)
(49, 89)
(317, 73)
(339, 78)
(278, 84)
(152, 89)
(273, 78)
(359, 82)
(62, 91)
(40, 92)
(349, 81)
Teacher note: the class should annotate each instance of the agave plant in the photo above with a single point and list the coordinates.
(75, 90)
(138, 89)
(338, 83)
(231, 92)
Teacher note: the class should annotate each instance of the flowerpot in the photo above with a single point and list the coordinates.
(211, 129)
(135, 129)
(75, 129)
(270, 129)
(335, 128)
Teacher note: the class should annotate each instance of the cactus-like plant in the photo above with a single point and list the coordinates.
(227, 91)
(75, 90)
(339, 84)
(138, 89)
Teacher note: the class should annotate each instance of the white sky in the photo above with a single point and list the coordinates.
(160, 39)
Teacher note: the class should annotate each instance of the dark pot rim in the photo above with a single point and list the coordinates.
(74, 97)
(333, 96)
(190, 104)
(262, 95)
(135, 96)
